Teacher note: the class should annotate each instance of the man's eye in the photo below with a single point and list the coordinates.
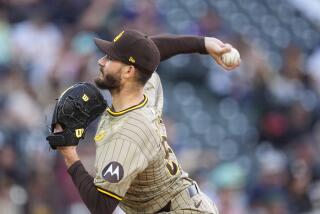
(109, 58)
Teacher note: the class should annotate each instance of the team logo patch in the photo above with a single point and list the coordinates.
(113, 172)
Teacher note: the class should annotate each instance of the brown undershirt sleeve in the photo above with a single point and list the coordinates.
(95, 201)
(170, 45)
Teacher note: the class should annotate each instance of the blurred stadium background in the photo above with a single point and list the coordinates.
(250, 138)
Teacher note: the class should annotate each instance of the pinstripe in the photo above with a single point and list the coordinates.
(184, 199)
(108, 151)
(130, 164)
(126, 156)
(133, 141)
(141, 127)
(98, 159)
(145, 125)
(145, 133)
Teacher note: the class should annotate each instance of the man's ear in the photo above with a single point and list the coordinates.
(129, 71)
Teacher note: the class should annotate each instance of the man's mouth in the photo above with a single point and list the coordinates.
(101, 72)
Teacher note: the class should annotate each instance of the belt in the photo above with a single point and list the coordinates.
(192, 190)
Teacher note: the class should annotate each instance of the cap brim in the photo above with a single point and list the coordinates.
(107, 48)
(102, 45)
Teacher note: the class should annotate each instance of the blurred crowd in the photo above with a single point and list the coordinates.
(250, 138)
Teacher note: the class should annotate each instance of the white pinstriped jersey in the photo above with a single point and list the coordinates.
(134, 163)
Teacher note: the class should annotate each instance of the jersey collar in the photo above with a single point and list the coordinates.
(119, 113)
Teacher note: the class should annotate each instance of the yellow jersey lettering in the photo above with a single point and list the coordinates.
(100, 136)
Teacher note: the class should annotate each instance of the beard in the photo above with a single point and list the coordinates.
(108, 81)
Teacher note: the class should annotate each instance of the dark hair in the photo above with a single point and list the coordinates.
(142, 76)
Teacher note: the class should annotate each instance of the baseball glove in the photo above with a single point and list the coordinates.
(75, 109)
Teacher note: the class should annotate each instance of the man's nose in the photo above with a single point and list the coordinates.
(101, 61)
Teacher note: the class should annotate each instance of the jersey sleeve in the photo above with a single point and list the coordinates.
(120, 161)
(153, 90)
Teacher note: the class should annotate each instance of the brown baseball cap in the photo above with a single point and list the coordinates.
(133, 48)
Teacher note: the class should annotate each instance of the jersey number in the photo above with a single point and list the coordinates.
(171, 165)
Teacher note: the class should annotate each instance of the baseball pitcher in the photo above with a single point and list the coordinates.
(135, 166)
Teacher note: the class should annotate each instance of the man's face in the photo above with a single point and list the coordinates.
(110, 74)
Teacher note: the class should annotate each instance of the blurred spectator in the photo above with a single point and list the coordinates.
(230, 181)
(299, 185)
(268, 193)
(36, 43)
